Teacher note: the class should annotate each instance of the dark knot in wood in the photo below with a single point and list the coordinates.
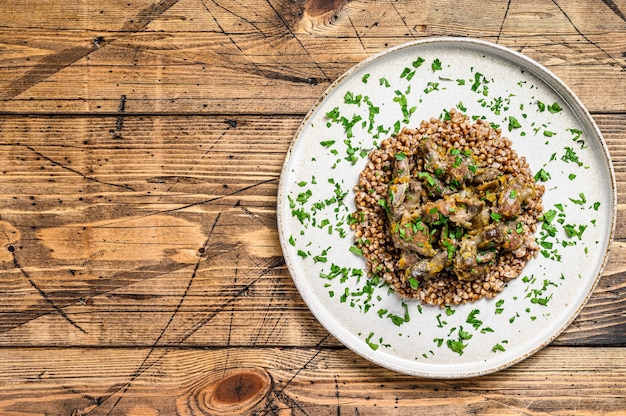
(234, 392)
(239, 388)
(315, 8)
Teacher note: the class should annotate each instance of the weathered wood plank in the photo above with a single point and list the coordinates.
(140, 270)
(303, 381)
(281, 59)
(107, 220)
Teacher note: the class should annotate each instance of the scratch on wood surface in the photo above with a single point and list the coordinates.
(356, 32)
(85, 396)
(611, 4)
(337, 395)
(293, 35)
(45, 296)
(410, 32)
(270, 321)
(230, 323)
(119, 123)
(190, 205)
(56, 62)
(506, 14)
(104, 286)
(252, 66)
(281, 391)
(155, 354)
(584, 36)
(82, 175)
(145, 363)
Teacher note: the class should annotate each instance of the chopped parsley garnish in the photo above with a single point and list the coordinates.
(542, 175)
(418, 62)
(350, 98)
(499, 308)
(400, 156)
(513, 123)
(495, 216)
(554, 108)
(473, 320)
(580, 201)
(408, 73)
(431, 86)
(571, 230)
(459, 345)
(571, 156)
(498, 347)
(356, 250)
(369, 342)
(542, 106)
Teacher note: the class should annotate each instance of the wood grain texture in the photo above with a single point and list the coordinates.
(141, 145)
(303, 381)
(120, 244)
(183, 58)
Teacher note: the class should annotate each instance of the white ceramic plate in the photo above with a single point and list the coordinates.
(405, 85)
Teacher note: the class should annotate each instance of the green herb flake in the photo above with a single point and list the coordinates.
(513, 123)
(478, 79)
(473, 320)
(350, 98)
(436, 65)
(292, 242)
(356, 250)
(408, 73)
(369, 342)
(431, 86)
(365, 78)
(571, 230)
(554, 108)
(418, 62)
(542, 106)
(499, 308)
(459, 345)
(580, 201)
(571, 156)
(542, 175)
(498, 347)
(400, 156)
(396, 127)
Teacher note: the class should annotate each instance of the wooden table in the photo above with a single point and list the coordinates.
(141, 144)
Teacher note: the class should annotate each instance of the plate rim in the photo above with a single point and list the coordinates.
(538, 70)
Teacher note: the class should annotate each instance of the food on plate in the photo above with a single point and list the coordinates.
(446, 213)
